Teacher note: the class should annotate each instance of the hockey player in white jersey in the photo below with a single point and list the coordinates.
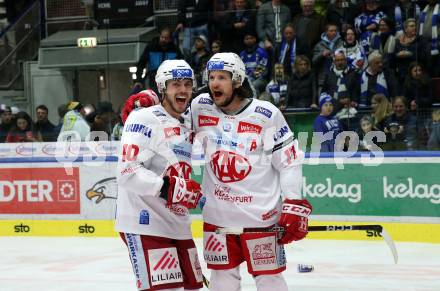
(252, 179)
(154, 186)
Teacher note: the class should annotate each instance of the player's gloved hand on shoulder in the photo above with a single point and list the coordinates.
(185, 192)
(294, 219)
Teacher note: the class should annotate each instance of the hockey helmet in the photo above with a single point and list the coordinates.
(230, 62)
(173, 70)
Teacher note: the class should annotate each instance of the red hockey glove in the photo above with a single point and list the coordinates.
(294, 219)
(145, 99)
(185, 192)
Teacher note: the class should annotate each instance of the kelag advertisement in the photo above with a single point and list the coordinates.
(39, 184)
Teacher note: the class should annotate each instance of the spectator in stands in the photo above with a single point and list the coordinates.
(221, 7)
(384, 41)
(104, 120)
(302, 87)
(22, 130)
(404, 10)
(75, 127)
(43, 126)
(159, 49)
(366, 126)
(341, 83)
(368, 22)
(199, 57)
(276, 90)
(381, 109)
(193, 18)
(216, 47)
(234, 25)
(6, 121)
(417, 88)
(410, 47)
(272, 16)
(326, 124)
(429, 26)
(376, 79)
(62, 110)
(434, 137)
(117, 129)
(256, 61)
(89, 113)
(309, 25)
(401, 127)
(258, 3)
(356, 58)
(324, 51)
(341, 13)
(286, 51)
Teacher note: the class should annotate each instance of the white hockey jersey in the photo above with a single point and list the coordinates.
(251, 158)
(153, 144)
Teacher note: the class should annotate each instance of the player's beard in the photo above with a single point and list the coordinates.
(226, 102)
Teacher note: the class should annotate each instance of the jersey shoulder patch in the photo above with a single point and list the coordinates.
(204, 99)
(265, 108)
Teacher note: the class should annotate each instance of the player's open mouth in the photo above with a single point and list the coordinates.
(218, 94)
(180, 99)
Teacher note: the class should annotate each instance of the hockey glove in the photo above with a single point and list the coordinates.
(294, 219)
(185, 192)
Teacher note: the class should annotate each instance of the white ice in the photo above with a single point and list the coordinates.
(102, 264)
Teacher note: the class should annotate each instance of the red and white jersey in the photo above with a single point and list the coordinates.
(251, 161)
(153, 144)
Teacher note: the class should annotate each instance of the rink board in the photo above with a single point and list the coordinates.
(408, 232)
(45, 193)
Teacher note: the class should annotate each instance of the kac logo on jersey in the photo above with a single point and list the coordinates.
(264, 111)
(180, 169)
(205, 101)
(229, 167)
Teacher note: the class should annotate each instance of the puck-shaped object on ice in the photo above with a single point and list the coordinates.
(305, 268)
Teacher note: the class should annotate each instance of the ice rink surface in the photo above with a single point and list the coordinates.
(102, 264)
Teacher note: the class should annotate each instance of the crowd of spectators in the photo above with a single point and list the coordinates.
(82, 120)
(361, 65)
(361, 54)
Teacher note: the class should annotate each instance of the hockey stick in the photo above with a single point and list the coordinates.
(374, 227)
(205, 281)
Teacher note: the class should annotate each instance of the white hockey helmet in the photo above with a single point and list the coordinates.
(173, 70)
(230, 62)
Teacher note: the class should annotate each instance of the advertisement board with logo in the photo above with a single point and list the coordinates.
(51, 191)
(36, 186)
(36, 191)
(403, 189)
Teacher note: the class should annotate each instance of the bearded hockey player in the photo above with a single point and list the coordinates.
(154, 186)
(252, 179)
